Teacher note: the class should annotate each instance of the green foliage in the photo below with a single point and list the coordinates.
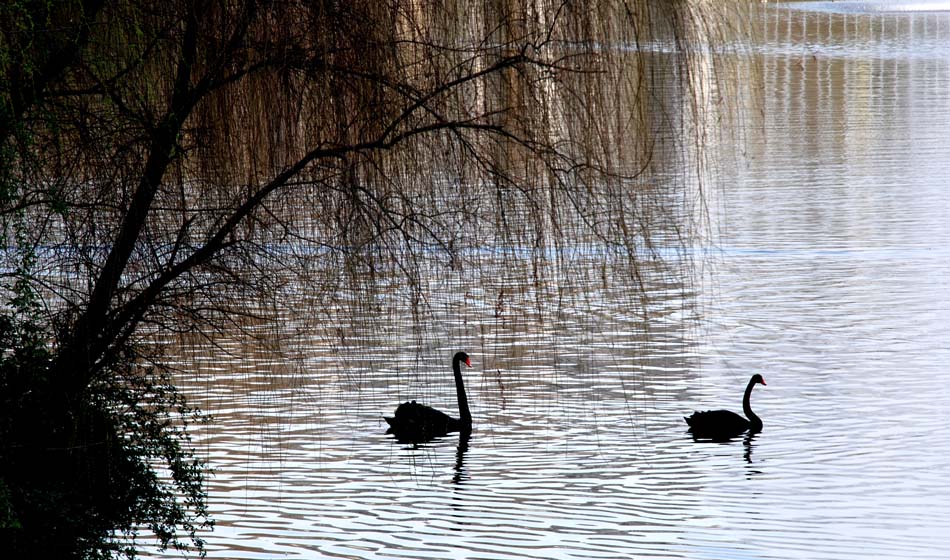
(74, 476)
(78, 473)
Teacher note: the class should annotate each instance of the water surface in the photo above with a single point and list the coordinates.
(828, 273)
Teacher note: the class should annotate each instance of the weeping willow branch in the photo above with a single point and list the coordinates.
(177, 166)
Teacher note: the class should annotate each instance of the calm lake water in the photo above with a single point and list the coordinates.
(829, 273)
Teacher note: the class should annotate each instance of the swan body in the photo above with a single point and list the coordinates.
(411, 416)
(415, 423)
(725, 424)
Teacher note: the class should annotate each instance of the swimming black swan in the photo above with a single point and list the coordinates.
(416, 423)
(725, 424)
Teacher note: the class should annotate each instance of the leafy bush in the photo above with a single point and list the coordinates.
(78, 474)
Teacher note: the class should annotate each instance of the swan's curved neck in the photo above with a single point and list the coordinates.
(747, 408)
(465, 415)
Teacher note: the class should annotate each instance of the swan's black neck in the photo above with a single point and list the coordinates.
(465, 415)
(747, 408)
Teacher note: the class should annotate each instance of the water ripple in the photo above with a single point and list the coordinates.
(829, 277)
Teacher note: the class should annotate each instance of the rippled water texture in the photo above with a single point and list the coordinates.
(830, 275)
(870, 6)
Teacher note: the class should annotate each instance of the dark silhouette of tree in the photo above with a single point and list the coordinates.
(165, 163)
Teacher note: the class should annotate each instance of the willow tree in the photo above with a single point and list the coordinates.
(164, 164)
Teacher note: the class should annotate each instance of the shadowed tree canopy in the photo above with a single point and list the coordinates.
(164, 163)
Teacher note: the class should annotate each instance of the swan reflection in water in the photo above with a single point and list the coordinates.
(748, 445)
(461, 473)
(465, 436)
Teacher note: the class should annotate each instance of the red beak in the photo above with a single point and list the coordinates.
(763, 381)
(468, 362)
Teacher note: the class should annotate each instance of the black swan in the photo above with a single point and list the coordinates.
(725, 424)
(416, 423)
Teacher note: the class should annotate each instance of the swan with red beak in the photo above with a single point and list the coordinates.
(416, 423)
